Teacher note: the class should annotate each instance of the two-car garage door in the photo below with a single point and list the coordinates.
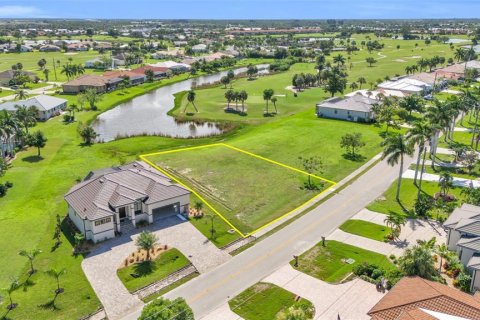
(164, 212)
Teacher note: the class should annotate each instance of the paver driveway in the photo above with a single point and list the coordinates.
(101, 265)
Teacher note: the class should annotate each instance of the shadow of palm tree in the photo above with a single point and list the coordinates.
(144, 268)
(32, 159)
(354, 157)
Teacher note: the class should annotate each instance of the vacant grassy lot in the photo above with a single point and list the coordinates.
(328, 263)
(228, 179)
(264, 301)
(151, 271)
(366, 229)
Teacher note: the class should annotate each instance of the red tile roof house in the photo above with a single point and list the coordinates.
(110, 200)
(414, 298)
(88, 81)
(456, 71)
(159, 72)
(135, 78)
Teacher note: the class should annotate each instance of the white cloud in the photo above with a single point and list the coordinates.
(19, 12)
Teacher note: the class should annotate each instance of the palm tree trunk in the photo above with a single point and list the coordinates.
(420, 151)
(421, 172)
(399, 178)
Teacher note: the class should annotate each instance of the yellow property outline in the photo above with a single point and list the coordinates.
(144, 158)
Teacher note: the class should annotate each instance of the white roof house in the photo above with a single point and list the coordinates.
(171, 65)
(406, 85)
(199, 48)
(353, 108)
(47, 106)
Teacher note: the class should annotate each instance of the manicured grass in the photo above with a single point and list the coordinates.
(5, 93)
(229, 181)
(408, 195)
(366, 229)
(264, 301)
(151, 271)
(327, 263)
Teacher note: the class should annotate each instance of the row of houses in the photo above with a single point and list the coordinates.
(357, 106)
(110, 80)
(54, 46)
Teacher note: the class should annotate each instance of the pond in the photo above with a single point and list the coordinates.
(147, 114)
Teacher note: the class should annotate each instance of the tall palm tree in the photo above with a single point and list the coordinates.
(27, 116)
(30, 255)
(274, 101)
(420, 133)
(230, 96)
(396, 148)
(191, 99)
(72, 108)
(445, 182)
(267, 95)
(361, 81)
(243, 98)
(443, 252)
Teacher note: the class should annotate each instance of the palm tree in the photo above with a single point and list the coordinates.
(395, 222)
(191, 99)
(396, 147)
(72, 108)
(14, 285)
(418, 261)
(27, 116)
(30, 255)
(443, 252)
(88, 134)
(274, 101)
(37, 140)
(230, 96)
(146, 241)
(361, 81)
(56, 274)
(46, 72)
(21, 94)
(353, 86)
(445, 182)
(267, 95)
(243, 98)
(339, 60)
(459, 54)
(420, 133)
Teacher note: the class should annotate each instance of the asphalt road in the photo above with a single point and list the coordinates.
(210, 290)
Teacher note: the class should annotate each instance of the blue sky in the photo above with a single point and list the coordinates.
(240, 9)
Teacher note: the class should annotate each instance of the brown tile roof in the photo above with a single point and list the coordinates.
(101, 191)
(416, 314)
(412, 293)
(88, 80)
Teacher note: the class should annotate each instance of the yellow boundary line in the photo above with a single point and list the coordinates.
(144, 158)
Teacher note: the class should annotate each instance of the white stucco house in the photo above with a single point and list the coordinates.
(47, 106)
(111, 199)
(354, 108)
(463, 237)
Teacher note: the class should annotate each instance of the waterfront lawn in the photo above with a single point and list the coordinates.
(142, 274)
(408, 195)
(265, 300)
(366, 229)
(328, 263)
(229, 180)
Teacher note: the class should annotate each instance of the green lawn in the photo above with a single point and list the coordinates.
(5, 93)
(408, 194)
(264, 301)
(327, 263)
(366, 229)
(151, 271)
(229, 181)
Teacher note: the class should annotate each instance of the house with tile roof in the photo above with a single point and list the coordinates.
(352, 108)
(109, 200)
(414, 298)
(463, 237)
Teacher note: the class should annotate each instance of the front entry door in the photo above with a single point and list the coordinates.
(122, 214)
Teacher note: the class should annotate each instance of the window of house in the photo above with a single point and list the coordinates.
(335, 111)
(103, 221)
(138, 207)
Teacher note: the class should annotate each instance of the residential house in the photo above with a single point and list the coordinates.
(135, 78)
(406, 85)
(158, 72)
(47, 106)
(84, 82)
(114, 199)
(457, 71)
(50, 48)
(8, 75)
(463, 237)
(200, 48)
(355, 108)
(96, 63)
(172, 65)
(167, 54)
(414, 298)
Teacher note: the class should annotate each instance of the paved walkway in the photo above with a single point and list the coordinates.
(222, 313)
(413, 230)
(101, 265)
(458, 182)
(350, 300)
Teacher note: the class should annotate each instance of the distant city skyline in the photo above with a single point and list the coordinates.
(241, 9)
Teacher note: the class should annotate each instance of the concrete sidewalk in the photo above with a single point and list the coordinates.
(458, 182)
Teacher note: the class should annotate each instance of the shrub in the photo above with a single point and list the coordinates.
(464, 280)
(377, 273)
(3, 190)
(8, 184)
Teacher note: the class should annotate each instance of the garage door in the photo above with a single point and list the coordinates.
(163, 212)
